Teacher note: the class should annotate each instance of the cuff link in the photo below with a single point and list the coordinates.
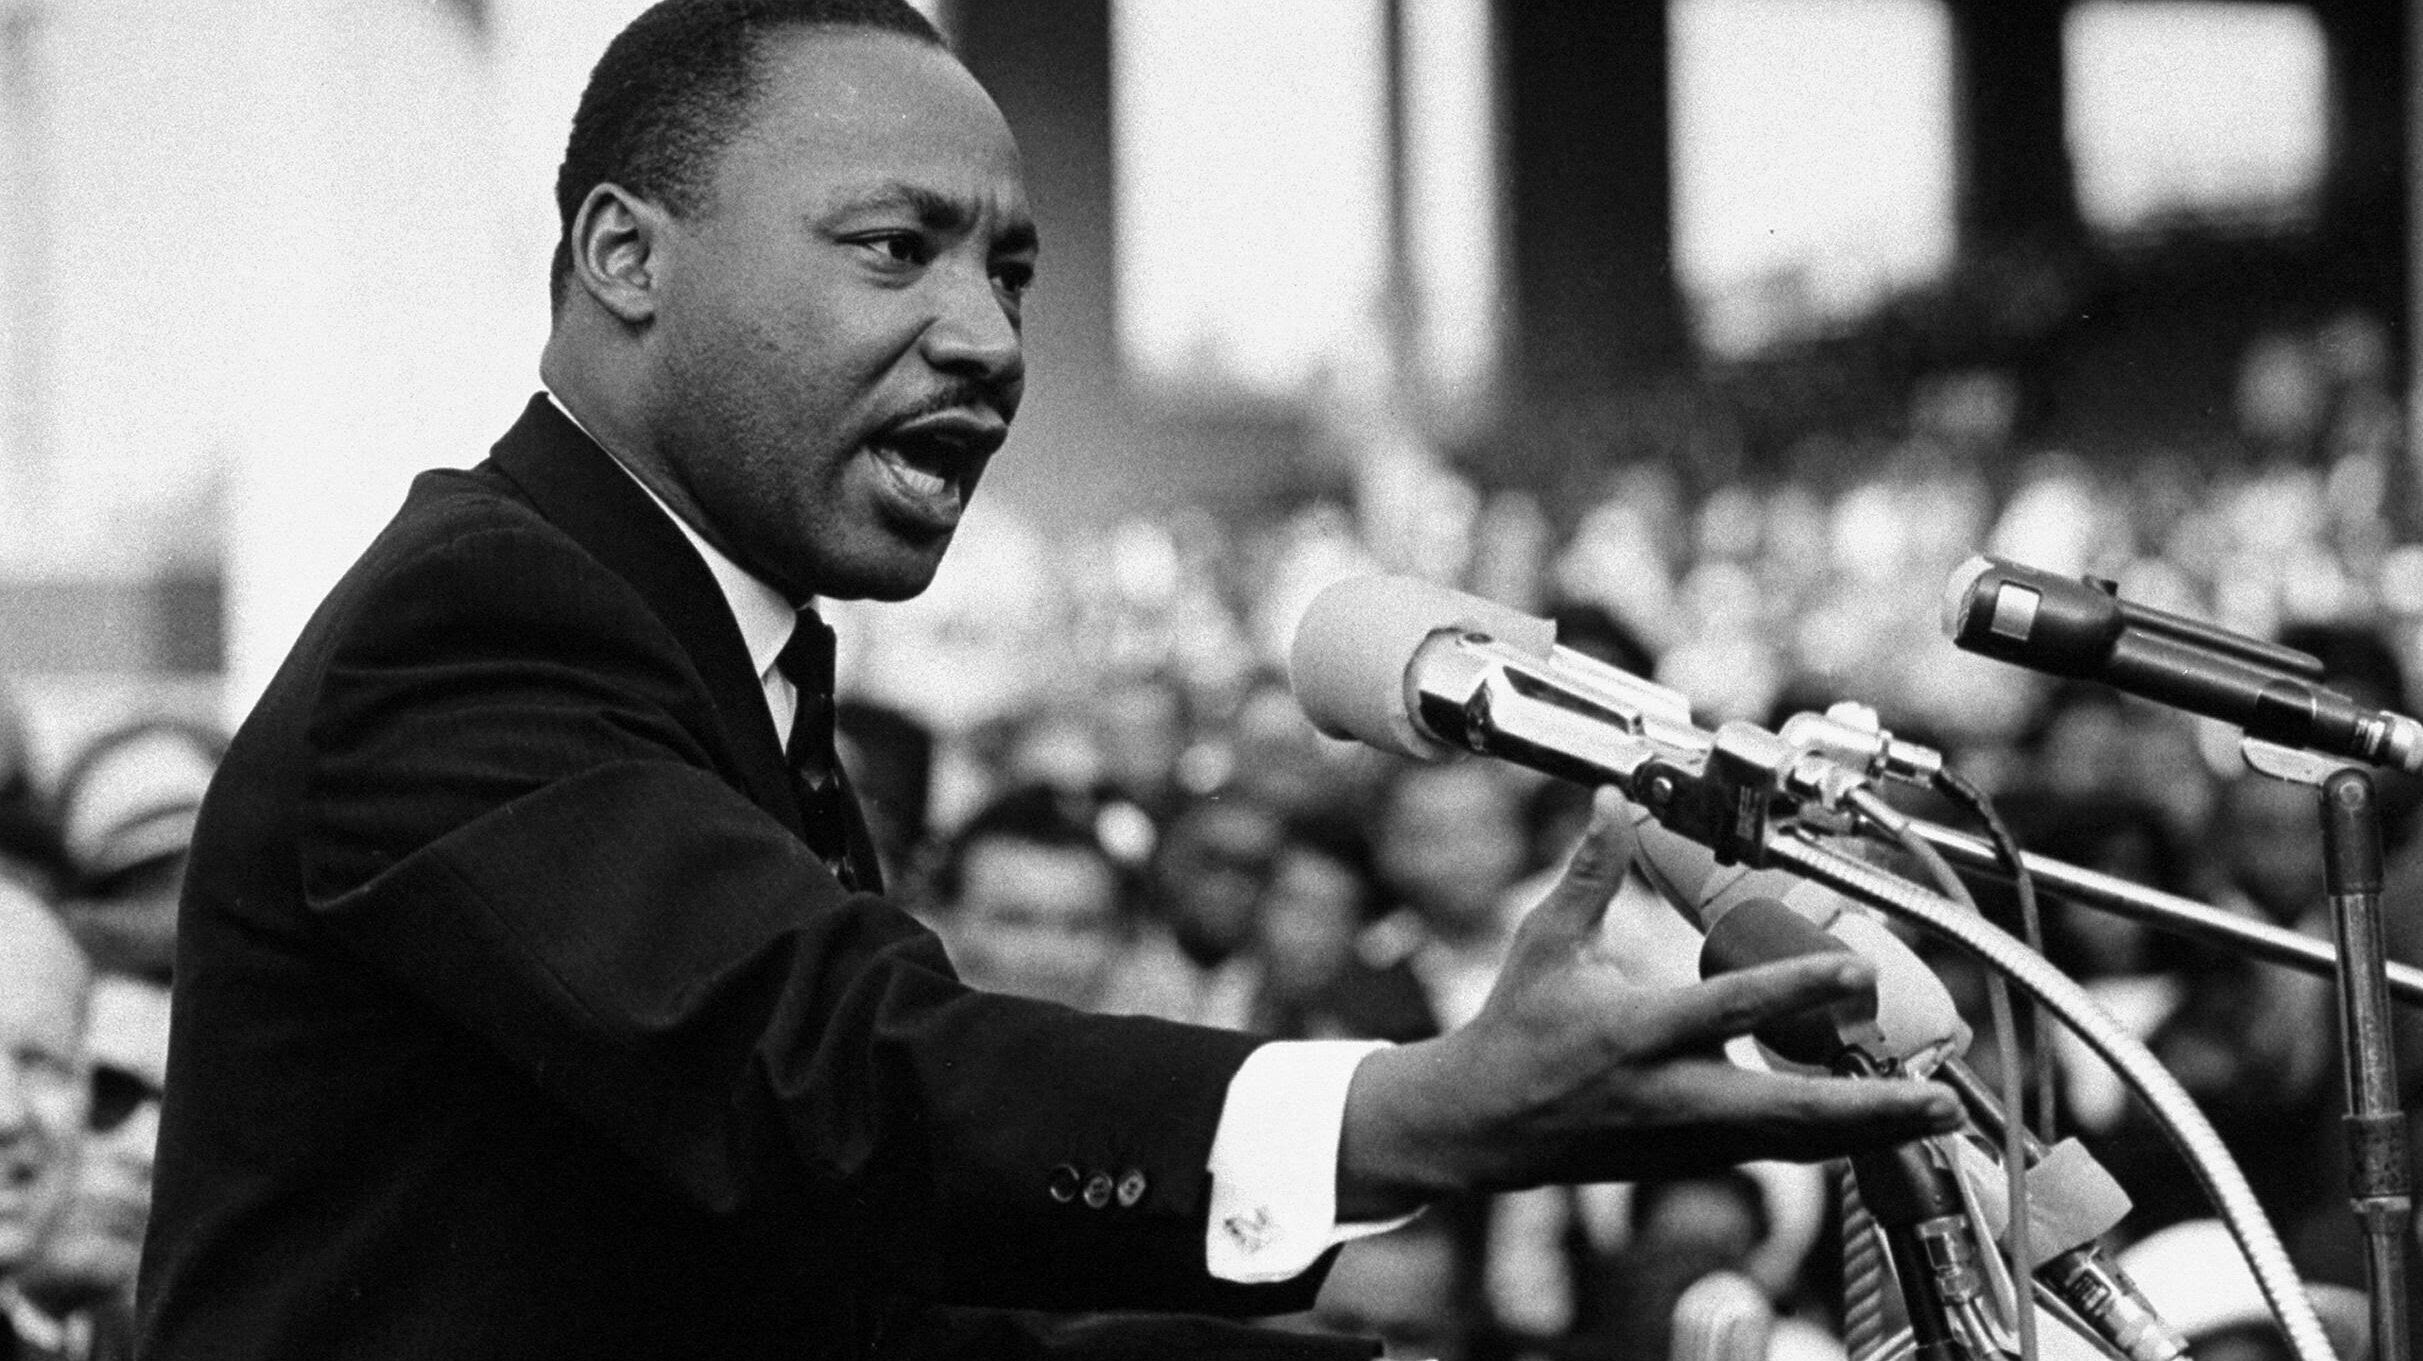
(1062, 1184)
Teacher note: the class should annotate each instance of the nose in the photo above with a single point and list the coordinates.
(973, 335)
(16, 1104)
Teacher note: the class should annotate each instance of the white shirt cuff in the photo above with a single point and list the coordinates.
(1274, 1161)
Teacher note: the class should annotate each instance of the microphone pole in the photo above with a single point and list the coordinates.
(2378, 1181)
(2164, 911)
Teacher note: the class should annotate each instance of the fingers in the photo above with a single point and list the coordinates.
(1572, 909)
(1734, 1114)
(1714, 1011)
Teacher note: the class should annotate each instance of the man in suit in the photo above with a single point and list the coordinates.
(533, 1001)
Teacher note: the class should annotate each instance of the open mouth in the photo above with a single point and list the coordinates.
(931, 463)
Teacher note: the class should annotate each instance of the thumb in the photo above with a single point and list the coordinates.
(1572, 910)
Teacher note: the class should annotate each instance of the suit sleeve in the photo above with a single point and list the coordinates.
(520, 811)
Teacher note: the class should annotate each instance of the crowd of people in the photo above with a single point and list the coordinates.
(90, 863)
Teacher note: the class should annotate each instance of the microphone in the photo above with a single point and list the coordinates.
(2082, 630)
(2072, 1200)
(1389, 660)
(1909, 1024)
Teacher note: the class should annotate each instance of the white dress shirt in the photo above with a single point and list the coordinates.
(1274, 1155)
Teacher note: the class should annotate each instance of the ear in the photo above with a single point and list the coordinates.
(618, 244)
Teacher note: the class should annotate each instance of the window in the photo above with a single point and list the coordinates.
(1251, 158)
(1813, 160)
(1253, 193)
(2195, 111)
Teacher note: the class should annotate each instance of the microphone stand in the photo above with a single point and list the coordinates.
(2376, 1129)
(2163, 911)
(2378, 1185)
(1463, 689)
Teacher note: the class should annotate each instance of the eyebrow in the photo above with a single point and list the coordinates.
(935, 209)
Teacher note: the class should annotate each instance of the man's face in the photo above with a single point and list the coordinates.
(91, 1250)
(836, 351)
(43, 1088)
(1035, 920)
(1450, 843)
(1210, 872)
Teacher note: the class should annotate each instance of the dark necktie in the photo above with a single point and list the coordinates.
(807, 662)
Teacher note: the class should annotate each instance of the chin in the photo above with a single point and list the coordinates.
(899, 575)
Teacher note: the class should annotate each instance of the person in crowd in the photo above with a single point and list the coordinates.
(1680, 1229)
(1449, 842)
(127, 803)
(1143, 723)
(535, 992)
(1203, 892)
(1029, 902)
(45, 1095)
(1314, 979)
(79, 1285)
(2089, 740)
(1275, 754)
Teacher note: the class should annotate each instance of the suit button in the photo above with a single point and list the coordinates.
(1131, 1189)
(1098, 1190)
(1062, 1184)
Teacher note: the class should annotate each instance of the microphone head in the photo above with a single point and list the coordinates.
(1911, 1019)
(1960, 595)
(1764, 931)
(1354, 644)
(2031, 618)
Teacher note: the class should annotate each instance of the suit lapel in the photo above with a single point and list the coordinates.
(582, 491)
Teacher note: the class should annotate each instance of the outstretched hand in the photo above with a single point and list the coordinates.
(1574, 1073)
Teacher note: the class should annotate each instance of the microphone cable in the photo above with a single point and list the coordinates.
(1963, 791)
(2018, 1240)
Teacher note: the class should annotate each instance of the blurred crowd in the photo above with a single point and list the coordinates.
(91, 860)
(1086, 770)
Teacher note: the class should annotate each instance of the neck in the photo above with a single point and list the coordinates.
(602, 397)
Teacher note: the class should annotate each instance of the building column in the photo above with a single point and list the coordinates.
(2016, 181)
(1589, 144)
(1048, 65)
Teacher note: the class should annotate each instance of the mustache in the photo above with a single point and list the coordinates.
(961, 395)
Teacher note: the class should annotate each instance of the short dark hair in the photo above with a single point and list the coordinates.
(1035, 815)
(675, 87)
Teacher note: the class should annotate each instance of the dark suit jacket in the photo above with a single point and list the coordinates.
(514, 1018)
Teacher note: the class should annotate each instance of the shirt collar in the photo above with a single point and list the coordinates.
(765, 617)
